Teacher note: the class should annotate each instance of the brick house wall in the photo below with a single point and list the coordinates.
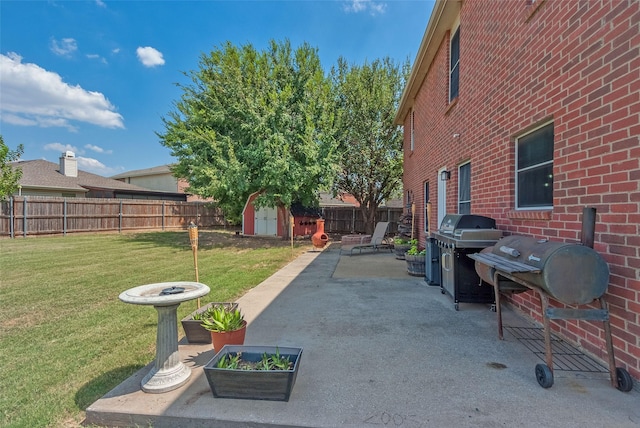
(575, 64)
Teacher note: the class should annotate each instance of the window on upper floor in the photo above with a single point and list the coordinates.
(464, 188)
(454, 65)
(534, 169)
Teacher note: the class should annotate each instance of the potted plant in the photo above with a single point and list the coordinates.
(400, 246)
(226, 326)
(415, 259)
(192, 323)
(253, 372)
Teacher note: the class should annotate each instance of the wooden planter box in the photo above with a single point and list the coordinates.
(194, 331)
(275, 385)
(415, 264)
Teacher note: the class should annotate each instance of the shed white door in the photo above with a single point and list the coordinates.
(266, 221)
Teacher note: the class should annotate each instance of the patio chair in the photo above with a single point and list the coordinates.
(378, 240)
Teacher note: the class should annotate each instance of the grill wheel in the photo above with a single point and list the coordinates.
(625, 382)
(544, 375)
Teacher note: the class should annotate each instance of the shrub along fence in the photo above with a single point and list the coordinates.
(41, 215)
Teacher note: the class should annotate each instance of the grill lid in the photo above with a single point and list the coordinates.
(451, 222)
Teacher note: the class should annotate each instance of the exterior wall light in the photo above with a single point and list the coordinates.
(445, 175)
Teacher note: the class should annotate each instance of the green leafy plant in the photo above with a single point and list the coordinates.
(234, 361)
(400, 241)
(274, 362)
(222, 318)
(229, 361)
(199, 316)
(414, 251)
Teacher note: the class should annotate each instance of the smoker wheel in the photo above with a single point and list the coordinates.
(625, 382)
(544, 375)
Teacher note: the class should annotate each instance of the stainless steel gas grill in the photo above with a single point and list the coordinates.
(569, 273)
(458, 236)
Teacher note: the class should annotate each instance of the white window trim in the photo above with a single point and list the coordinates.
(460, 178)
(457, 65)
(426, 198)
(412, 119)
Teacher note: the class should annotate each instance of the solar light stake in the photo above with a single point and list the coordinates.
(193, 238)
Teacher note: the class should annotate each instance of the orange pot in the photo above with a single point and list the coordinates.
(221, 338)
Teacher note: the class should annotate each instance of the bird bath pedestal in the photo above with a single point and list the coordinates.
(168, 372)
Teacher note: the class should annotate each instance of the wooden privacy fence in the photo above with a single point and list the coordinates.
(41, 215)
(23, 216)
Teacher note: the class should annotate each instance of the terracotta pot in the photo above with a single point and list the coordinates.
(319, 239)
(193, 329)
(221, 338)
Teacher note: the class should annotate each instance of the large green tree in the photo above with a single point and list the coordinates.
(9, 176)
(366, 98)
(253, 121)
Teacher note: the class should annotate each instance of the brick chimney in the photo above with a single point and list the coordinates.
(69, 164)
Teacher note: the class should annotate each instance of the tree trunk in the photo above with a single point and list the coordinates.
(369, 216)
(284, 214)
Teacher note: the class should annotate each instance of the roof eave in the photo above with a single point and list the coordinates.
(443, 16)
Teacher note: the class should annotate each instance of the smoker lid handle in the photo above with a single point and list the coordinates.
(510, 251)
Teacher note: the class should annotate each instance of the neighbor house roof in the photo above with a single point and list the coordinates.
(43, 174)
(156, 170)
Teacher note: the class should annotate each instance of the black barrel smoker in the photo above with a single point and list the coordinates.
(572, 274)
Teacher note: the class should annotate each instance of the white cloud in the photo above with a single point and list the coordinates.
(61, 148)
(357, 6)
(98, 57)
(17, 120)
(97, 149)
(149, 56)
(100, 3)
(115, 51)
(33, 96)
(96, 167)
(64, 47)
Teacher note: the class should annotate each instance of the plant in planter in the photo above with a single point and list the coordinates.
(192, 324)
(400, 246)
(253, 372)
(415, 259)
(226, 326)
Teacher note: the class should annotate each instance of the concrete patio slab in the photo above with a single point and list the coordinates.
(384, 350)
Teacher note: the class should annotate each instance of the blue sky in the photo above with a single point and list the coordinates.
(96, 77)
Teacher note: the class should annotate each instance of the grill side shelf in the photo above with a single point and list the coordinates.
(503, 264)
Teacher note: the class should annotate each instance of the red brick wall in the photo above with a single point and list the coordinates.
(576, 63)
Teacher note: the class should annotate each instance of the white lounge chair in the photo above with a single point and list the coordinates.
(378, 240)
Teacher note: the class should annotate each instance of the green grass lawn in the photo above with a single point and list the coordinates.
(65, 337)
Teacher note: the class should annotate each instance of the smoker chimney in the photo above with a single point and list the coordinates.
(69, 164)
